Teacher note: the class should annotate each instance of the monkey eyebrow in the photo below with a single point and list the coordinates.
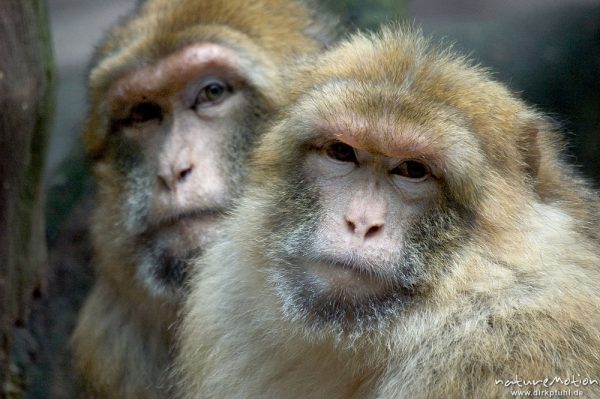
(407, 143)
(173, 74)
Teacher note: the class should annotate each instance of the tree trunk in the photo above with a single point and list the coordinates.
(26, 98)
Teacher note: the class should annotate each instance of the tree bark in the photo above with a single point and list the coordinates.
(26, 102)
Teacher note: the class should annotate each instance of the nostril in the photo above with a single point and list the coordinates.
(162, 181)
(373, 230)
(351, 226)
(184, 174)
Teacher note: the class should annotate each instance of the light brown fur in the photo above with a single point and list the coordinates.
(513, 293)
(122, 343)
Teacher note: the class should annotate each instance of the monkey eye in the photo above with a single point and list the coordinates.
(341, 152)
(412, 170)
(212, 93)
(143, 112)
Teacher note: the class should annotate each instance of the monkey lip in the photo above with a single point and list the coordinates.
(185, 232)
(335, 274)
(198, 214)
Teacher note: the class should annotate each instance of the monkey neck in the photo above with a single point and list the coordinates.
(141, 329)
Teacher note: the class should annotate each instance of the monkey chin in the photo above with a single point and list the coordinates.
(166, 250)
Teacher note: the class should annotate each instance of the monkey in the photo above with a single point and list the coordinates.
(410, 229)
(177, 92)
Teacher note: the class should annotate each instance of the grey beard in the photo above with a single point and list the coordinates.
(164, 274)
(410, 272)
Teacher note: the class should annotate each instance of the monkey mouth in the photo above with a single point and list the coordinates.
(198, 214)
(338, 275)
(182, 233)
(350, 296)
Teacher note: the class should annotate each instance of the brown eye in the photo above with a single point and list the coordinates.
(411, 170)
(143, 112)
(341, 152)
(212, 93)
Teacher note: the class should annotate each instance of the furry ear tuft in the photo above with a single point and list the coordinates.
(532, 153)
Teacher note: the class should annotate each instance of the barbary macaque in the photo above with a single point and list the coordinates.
(177, 91)
(410, 230)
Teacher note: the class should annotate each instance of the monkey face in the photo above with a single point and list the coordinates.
(376, 223)
(366, 251)
(178, 138)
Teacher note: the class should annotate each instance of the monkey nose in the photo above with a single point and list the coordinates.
(363, 229)
(175, 175)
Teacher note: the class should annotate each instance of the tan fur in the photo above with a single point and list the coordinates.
(516, 296)
(122, 342)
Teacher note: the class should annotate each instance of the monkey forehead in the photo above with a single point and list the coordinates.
(399, 70)
(172, 74)
(162, 27)
(265, 22)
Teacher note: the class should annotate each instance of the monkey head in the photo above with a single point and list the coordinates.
(389, 156)
(176, 98)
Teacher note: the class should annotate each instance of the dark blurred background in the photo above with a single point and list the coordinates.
(547, 51)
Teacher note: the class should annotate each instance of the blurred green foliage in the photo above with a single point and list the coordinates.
(71, 182)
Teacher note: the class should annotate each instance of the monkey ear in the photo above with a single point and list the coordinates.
(531, 151)
(539, 144)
